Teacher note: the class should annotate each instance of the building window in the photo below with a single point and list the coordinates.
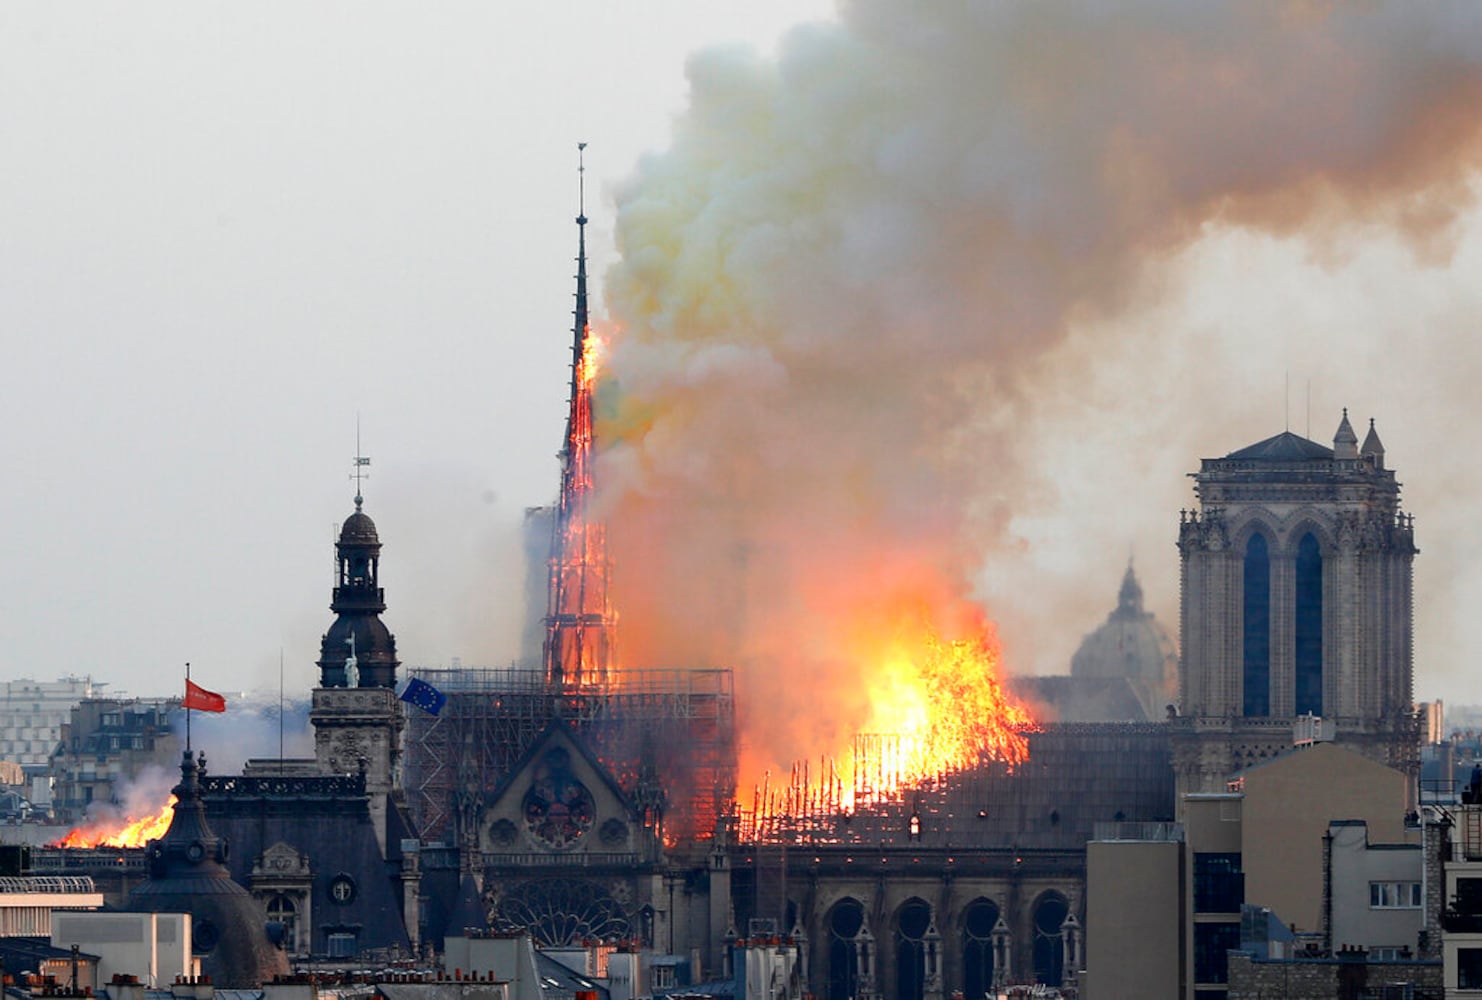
(663, 977)
(1394, 895)
(282, 911)
(844, 924)
(978, 922)
(912, 921)
(1049, 940)
(1469, 968)
(1219, 884)
(1307, 627)
(1212, 943)
(1256, 672)
(341, 945)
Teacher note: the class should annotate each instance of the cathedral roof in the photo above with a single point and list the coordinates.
(1284, 447)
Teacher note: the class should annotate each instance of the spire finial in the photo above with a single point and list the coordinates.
(581, 184)
(360, 462)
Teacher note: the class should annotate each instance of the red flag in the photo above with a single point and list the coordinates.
(201, 700)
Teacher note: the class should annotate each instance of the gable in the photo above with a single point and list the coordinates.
(559, 800)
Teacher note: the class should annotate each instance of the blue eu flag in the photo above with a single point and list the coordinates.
(424, 696)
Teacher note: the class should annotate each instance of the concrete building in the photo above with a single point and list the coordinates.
(32, 714)
(1288, 844)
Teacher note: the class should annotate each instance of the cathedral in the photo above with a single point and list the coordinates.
(595, 808)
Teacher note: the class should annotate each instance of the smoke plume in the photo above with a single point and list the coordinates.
(852, 285)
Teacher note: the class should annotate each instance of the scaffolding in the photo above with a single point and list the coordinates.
(678, 725)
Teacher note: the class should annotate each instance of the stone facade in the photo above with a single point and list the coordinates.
(1295, 599)
(1348, 974)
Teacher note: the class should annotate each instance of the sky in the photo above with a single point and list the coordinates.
(231, 233)
(229, 236)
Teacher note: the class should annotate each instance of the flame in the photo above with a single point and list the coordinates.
(941, 700)
(124, 832)
(591, 354)
(935, 707)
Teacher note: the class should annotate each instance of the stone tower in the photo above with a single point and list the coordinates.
(356, 716)
(1295, 599)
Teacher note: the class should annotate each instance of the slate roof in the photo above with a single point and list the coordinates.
(558, 980)
(1284, 447)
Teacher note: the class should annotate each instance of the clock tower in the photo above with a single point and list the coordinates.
(356, 716)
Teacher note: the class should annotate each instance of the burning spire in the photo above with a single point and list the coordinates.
(579, 621)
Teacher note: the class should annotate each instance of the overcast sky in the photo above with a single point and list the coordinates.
(228, 232)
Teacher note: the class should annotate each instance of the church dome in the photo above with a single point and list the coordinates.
(1130, 644)
(188, 874)
(359, 529)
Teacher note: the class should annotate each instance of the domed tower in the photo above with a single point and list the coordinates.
(188, 874)
(356, 716)
(1131, 646)
(358, 650)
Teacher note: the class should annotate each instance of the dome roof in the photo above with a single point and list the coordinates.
(188, 874)
(1131, 643)
(359, 529)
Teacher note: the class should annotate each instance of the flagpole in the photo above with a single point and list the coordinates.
(187, 708)
(280, 710)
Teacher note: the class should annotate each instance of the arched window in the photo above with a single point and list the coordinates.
(1307, 627)
(1257, 628)
(977, 948)
(844, 923)
(1049, 946)
(911, 923)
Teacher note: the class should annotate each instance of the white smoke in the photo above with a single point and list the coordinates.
(888, 301)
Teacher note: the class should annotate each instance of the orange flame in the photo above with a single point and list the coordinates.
(935, 707)
(124, 832)
(941, 699)
(591, 353)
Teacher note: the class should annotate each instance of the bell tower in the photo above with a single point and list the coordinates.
(1295, 601)
(356, 716)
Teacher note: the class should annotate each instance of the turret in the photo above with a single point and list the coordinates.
(1373, 448)
(1345, 442)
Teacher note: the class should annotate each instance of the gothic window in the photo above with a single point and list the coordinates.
(1049, 945)
(558, 912)
(978, 921)
(1307, 626)
(844, 923)
(558, 808)
(1257, 628)
(911, 922)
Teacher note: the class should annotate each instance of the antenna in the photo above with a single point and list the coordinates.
(360, 462)
(1286, 395)
(1309, 408)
